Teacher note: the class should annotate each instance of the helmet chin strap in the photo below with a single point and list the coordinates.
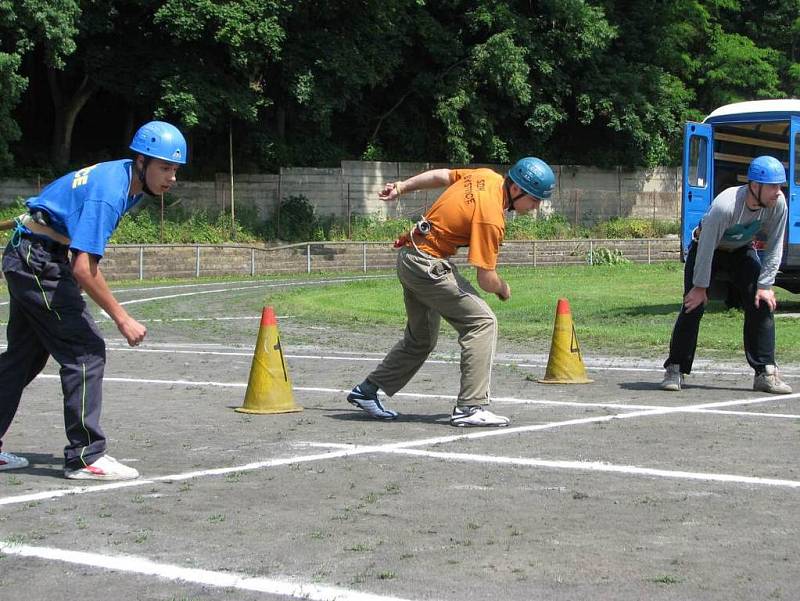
(757, 196)
(141, 175)
(511, 201)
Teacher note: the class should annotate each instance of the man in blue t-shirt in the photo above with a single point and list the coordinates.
(76, 214)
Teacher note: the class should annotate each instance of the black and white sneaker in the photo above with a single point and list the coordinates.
(370, 404)
(475, 415)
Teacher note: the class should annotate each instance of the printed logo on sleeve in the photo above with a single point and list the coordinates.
(81, 176)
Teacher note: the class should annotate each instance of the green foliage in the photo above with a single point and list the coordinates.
(24, 26)
(9, 212)
(635, 227)
(607, 256)
(553, 227)
(367, 228)
(295, 220)
(576, 82)
(300, 223)
(145, 227)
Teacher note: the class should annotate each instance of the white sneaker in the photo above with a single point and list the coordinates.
(770, 381)
(673, 378)
(9, 461)
(105, 468)
(475, 415)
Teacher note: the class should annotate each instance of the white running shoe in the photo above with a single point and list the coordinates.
(475, 415)
(9, 461)
(105, 468)
(673, 378)
(770, 381)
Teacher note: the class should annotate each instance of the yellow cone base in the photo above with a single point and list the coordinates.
(269, 389)
(565, 365)
(296, 409)
(573, 381)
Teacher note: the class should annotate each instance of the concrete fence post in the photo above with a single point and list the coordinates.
(252, 262)
(197, 261)
(141, 262)
(364, 255)
(308, 258)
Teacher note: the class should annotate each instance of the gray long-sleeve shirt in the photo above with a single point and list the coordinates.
(730, 224)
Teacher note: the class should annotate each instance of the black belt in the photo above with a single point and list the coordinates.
(46, 243)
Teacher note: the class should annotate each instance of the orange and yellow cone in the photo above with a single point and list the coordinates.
(269, 389)
(565, 365)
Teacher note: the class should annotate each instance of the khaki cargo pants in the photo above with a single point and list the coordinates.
(432, 289)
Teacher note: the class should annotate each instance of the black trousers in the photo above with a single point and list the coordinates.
(742, 267)
(47, 317)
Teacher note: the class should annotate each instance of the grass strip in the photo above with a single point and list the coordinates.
(621, 310)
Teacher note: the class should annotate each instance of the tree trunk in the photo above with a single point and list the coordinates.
(129, 128)
(65, 113)
(280, 122)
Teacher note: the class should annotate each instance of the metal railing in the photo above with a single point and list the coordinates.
(132, 261)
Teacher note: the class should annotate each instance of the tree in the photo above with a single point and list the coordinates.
(24, 24)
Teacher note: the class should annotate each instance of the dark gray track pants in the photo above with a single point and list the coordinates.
(47, 317)
(743, 268)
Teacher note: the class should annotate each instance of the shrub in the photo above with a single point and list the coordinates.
(553, 227)
(294, 220)
(376, 228)
(635, 227)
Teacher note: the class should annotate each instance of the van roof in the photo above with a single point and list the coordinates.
(762, 110)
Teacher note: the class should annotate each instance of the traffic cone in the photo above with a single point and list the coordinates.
(269, 389)
(565, 365)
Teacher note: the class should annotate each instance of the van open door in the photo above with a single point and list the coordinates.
(698, 160)
(793, 198)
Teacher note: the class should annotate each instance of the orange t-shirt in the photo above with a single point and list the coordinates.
(468, 213)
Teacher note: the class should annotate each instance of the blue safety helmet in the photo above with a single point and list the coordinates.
(534, 176)
(766, 170)
(160, 140)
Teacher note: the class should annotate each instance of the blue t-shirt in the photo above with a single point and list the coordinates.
(86, 205)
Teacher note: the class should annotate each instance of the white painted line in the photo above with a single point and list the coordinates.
(600, 366)
(379, 448)
(365, 357)
(253, 282)
(79, 490)
(253, 318)
(235, 289)
(590, 466)
(250, 354)
(197, 285)
(129, 564)
(638, 409)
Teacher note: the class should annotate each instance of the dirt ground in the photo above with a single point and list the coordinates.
(609, 490)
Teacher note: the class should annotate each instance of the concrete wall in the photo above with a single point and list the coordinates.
(583, 194)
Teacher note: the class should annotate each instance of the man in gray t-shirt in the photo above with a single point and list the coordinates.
(725, 241)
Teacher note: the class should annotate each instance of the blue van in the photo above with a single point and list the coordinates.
(717, 152)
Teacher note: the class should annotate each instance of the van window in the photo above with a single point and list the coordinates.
(698, 152)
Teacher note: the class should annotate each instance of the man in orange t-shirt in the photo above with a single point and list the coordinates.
(470, 212)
